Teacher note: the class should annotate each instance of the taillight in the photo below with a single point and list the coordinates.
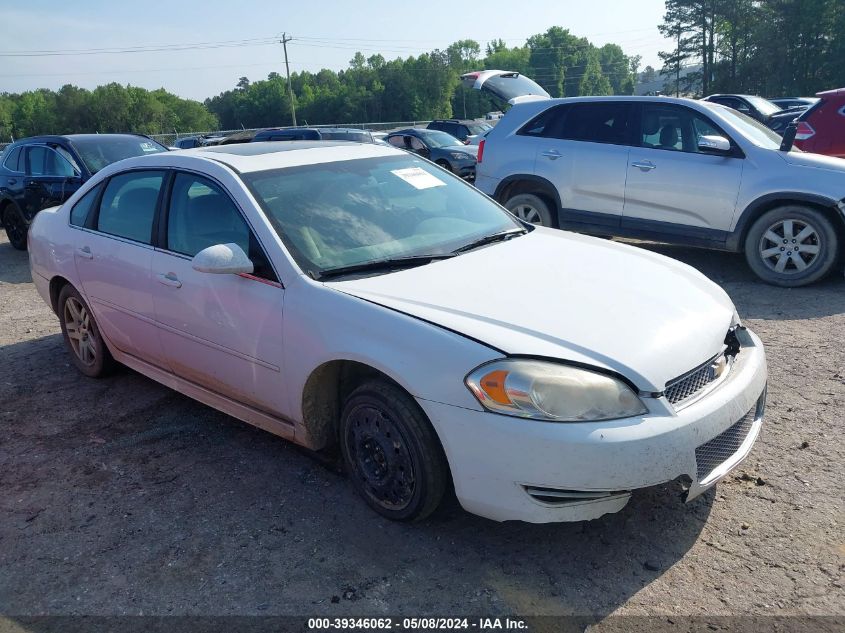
(481, 150)
(804, 131)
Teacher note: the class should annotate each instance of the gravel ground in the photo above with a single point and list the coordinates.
(120, 496)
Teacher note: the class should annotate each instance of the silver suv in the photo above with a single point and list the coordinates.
(671, 170)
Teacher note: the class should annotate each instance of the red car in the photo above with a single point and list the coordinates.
(821, 129)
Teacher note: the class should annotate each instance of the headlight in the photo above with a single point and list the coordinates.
(549, 391)
(460, 156)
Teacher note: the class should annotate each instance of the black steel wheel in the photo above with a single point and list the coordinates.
(392, 453)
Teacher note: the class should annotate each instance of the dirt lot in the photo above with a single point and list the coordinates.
(120, 496)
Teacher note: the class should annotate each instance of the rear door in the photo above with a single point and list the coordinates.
(583, 152)
(113, 252)
(220, 331)
(674, 188)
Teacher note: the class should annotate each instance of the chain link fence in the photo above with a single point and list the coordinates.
(383, 126)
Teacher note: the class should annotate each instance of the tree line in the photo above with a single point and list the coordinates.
(369, 89)
(428, 86)
(109, 108)
(771, 48)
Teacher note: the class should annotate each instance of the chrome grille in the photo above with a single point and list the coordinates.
(687, 386)
(716, 451)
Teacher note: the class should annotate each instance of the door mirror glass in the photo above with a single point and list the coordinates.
(222, 259)
(718, 144)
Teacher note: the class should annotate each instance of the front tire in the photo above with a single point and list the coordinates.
(445, 165)
(791, 246)
(530, 208)
(82, 335)
(16, 228)
(392, 453)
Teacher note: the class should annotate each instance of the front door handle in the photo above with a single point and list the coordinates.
(644, 165)
(85, 252)
(169, 279)
(552, 154)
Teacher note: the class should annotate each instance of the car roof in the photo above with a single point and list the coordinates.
(250, 157)
(46, 138)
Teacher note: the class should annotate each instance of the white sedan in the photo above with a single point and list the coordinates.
(359, 298)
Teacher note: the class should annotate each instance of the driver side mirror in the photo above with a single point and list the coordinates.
(222, 259)
(714, 144)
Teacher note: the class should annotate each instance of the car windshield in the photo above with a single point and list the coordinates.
(764, 106)
(98, 151)
(752, 129)
(435, 139)
(358, 211)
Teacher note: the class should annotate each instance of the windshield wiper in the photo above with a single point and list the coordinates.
(489, 239)
(408, 261)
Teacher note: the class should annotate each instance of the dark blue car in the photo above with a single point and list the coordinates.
(43, 171)
(438, 147)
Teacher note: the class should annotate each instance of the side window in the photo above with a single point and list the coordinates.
(201, 214)
(36, 160)
(82, 209)
(128, 205)
(45, 161)
(14, 160)
(674, 128)
(545, 123)
(598, 122)
(396, 141)
(417, 144)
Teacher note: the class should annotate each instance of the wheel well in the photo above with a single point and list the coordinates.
(538, 188)
(56, 285)
(326, 389)
(830, 212)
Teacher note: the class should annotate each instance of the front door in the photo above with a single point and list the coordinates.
(113, 253)
(672, 186)
(50, 179)
(220, 331)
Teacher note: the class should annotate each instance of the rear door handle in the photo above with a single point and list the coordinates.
(553, 154)
(85, 252)
(644, 165)
(169, 279)
(12, 181)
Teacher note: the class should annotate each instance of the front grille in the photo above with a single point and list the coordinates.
(716, 451)
(688, 386)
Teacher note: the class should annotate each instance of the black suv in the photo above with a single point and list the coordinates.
(44, 171)
(464, 131)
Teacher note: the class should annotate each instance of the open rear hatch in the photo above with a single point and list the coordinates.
(505, 85)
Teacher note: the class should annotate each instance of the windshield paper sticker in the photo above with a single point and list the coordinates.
(418, 178)
(146, 146)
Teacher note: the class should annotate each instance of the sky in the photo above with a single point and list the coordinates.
(242, 38)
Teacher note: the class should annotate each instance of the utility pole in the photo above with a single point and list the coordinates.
(285, 40)
(677, 64)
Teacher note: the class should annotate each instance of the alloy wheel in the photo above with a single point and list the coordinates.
(78, 326)
(527, 213)
(789, 246)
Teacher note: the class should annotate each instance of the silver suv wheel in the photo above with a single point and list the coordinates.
(530, 208)
(789, 246)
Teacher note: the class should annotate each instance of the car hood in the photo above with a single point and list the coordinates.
(819, 161)
(565, 296)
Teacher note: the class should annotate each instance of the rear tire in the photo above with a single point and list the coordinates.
(392, 453)
(530, 208)
(82, 335)
(792, 246)
(15, 226)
